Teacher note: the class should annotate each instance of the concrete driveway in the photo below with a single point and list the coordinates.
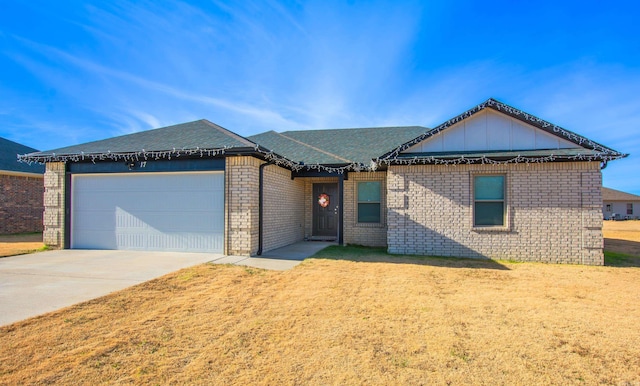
(38, 283)
(42, 282)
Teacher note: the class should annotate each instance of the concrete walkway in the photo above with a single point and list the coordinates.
(42, 282)
(280, 259)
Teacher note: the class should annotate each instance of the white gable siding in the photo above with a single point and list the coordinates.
(489, 130)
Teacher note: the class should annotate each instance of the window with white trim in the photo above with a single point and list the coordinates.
(489, 204)
(629, 209)
(369, 193)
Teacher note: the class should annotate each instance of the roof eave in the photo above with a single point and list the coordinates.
(489, 159)
(45, 157)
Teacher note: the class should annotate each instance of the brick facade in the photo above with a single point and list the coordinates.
(553, 212)
(21, 203)
(354, 233)
(283, 210)
(241, 205)
(54, 189)
(374, 235)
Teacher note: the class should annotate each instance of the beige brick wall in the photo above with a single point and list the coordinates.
(283, 196)
(54, 218)
(283, 210)
(374, 235)
(354, 233)
(241, 205)
(553, 215)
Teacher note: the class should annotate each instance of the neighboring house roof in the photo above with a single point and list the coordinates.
(337, 146)
(9, 151)
(616, 195)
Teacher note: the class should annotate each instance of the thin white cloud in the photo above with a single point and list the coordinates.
(266, 116)
(286, 15)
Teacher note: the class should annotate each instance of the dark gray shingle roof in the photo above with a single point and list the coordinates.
(338, 145)
(191, 135)
(333, 147)
(295, 150)
(9, 151)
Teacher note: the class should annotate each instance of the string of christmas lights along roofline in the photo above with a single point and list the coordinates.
(603, 154)
(297, 166)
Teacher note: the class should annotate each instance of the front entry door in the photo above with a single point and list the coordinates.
(325, 210)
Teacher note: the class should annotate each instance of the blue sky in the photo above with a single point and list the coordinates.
(77, 71)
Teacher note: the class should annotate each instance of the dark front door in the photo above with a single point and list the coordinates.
(325, 210)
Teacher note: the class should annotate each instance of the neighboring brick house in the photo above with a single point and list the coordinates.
(492, 182)
(21, 190)
(617, 205)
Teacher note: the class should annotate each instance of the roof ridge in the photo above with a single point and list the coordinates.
(357, 128)
(229, 133)
(313, 147)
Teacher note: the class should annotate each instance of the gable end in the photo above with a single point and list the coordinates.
(599, 152)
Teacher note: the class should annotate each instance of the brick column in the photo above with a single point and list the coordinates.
(241, 205)
(54, 219)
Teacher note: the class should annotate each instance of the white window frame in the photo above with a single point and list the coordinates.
(506, 224)
(358, 202)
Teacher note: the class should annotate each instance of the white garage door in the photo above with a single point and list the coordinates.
(148, 211)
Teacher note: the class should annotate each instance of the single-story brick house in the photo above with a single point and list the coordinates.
(619, 205)
(492, 182)
(21, 190)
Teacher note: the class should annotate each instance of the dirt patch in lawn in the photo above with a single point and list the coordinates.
(622, 237)
(333, 321)
(20, 244)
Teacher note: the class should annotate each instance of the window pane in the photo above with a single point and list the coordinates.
(368, 212)
(489, 213)
(489, 187)
(369, 191)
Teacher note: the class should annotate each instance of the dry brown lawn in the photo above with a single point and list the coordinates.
(19, 244)
(372, 319)
(622, 237)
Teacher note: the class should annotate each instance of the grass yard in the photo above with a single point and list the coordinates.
(622, 242)
(368, 319)
(19, 244)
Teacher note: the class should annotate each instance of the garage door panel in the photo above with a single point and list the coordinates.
(139, 202)
(93, 239)
(149, 211)
(195, 222)
(95, 221)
